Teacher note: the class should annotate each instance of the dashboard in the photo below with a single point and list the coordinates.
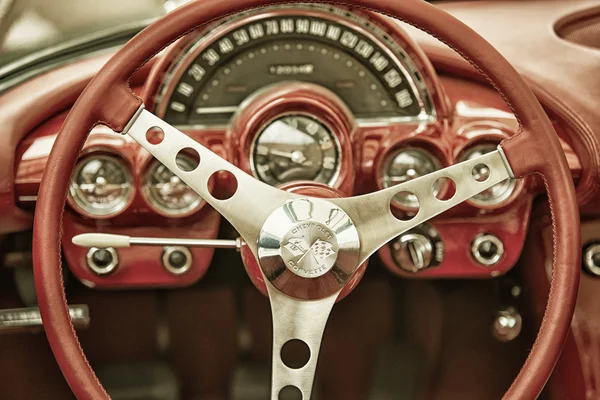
(328, 96)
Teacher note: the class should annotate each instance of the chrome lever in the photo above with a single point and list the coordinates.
(18, 319)
(105, 240)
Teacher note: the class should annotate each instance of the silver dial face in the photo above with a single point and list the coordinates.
(168, 194)
(496, 194)
(101, 186)
(295, 148)
(406, 164)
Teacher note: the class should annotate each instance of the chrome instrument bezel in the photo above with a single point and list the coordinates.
(156, 205)
(126, 200)
(390, 157)
(332, 133)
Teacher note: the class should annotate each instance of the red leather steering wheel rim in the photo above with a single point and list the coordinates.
(109, 100)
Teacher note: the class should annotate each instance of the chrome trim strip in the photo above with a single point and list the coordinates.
(216, 110)
(26, 199)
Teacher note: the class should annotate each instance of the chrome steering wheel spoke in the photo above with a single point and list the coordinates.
(375, 221)
(307, 248)
(296, 320)
(252, 202)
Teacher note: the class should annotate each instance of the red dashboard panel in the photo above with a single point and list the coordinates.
(478, 115)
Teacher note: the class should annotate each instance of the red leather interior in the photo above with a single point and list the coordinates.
(109, 101)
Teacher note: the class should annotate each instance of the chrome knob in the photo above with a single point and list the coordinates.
(487, 249)
(177, 259)
(102, 261)
(591, 259)
(507, 325)
(413, 252)
(418, 249)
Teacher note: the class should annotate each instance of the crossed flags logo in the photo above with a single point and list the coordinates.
(320, 249)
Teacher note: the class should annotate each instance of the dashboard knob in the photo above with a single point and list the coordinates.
(418, 249)
(507, 325)
(591, 259)
(487, 249)
(102, 261)
(177, 259)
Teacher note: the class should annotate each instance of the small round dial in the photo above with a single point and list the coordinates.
(101, 186)
(406, 164)
(497, 194)
(294, 148)
(167, 193)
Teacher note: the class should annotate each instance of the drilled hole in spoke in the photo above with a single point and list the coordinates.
(193, 159)
(227, 186)
(444, 189)
(290, 393)
(400, 198)
(155, 135)
(481, 173)
(295, 354)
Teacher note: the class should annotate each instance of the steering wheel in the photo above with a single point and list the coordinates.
(338, 235)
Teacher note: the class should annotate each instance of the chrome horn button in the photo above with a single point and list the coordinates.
(308, 248)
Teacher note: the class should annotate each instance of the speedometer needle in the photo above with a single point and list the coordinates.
(297, 157)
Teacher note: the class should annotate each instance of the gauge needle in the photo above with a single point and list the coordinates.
(297, 157)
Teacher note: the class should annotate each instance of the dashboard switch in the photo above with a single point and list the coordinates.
(418, 249)
(591, 259)
(102, 261)
(487, 249)
(177, 259)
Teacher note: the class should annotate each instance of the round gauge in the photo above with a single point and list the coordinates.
(101, 186)
(168, 194)
(295, 148)
(496, 194)
(406, 164)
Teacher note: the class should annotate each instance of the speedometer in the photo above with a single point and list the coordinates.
(326, 46)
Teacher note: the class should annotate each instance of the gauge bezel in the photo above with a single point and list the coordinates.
(155, 205)
(387, 159)
(397, 45)
(338, 147)
(294, 98)
(106, 154)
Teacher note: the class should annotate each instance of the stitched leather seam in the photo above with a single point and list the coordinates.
(552, 283)
(62, 287)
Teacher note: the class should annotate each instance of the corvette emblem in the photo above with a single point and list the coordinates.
(310, 250)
